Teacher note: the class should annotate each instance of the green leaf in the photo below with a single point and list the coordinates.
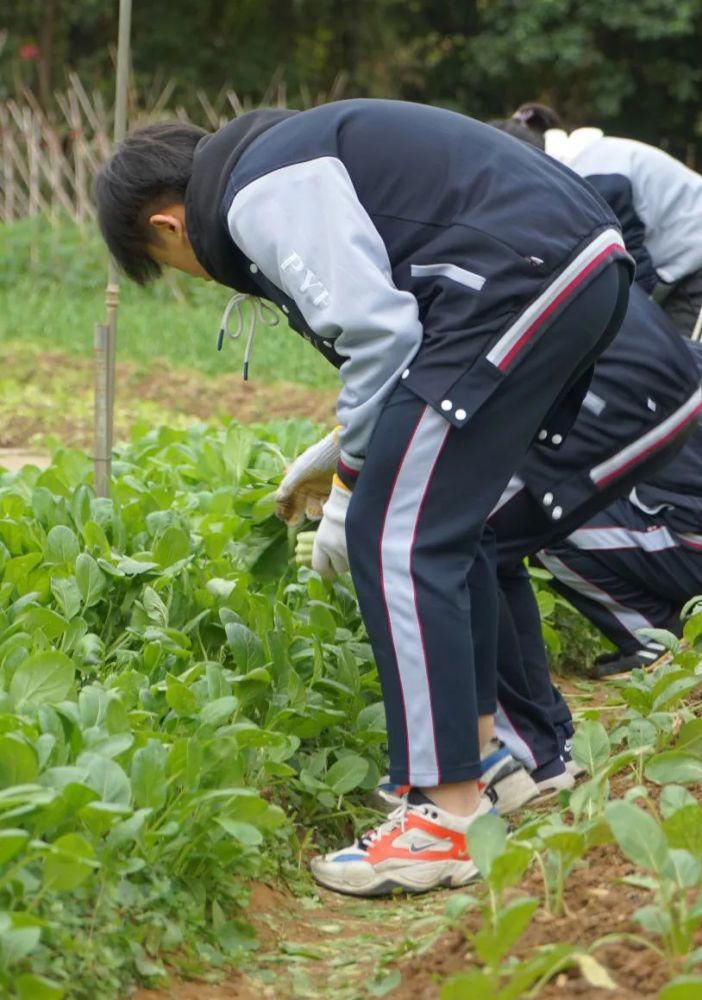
(148, 775)
(674, 797)
(155, 609)
(95, 538)
(683, 828)
(53, 625)
(106, 778)
(487, 837)
(492, 944)
(43, 679)
(67, 595)
(18, 761)
(474, 985)
(62, 546)
(684, 868)
(678, 686)
(676, 766)
(591, 746)
(99, 817)
(90, 579)
(245, 645)
(567, 842)
(217, 712)
(682, 988)
(661, 635)
(509, 867)
(69, 864)
(457, 904)
(690, 736)
(219, 588)
(134, 567)
(19, 936)
(180, 698)
(654, 919)
(31, 987)
(172, 546)
(245, 833)
(371, 719)
(638, 835)
(12, 841)
(346, 774)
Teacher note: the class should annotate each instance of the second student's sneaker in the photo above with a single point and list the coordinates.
(504, 782)
(552, 778)
(618, 664)
(572, 766)
(418, 848)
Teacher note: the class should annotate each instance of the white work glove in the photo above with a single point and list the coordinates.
(308, 481)
(329, 555)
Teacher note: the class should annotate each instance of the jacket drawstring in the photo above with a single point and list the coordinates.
(261, 312)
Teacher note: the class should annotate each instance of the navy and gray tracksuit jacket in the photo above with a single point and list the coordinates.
(657, 199)
(463, 284)
(380, 226)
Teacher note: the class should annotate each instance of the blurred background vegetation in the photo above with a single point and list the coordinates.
(632, 66)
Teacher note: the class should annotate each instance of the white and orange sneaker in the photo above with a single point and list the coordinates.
(419, 847)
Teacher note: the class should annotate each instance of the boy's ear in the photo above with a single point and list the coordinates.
(168, 222)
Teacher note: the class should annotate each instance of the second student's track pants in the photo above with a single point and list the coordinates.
(627, 570)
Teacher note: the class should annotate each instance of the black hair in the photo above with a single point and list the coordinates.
(150, 169)
(519, 131)
(539, 117)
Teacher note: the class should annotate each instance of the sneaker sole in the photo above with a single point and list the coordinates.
(416, 877)
(576, 770)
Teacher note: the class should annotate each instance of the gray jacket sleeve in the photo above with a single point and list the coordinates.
(305, 228)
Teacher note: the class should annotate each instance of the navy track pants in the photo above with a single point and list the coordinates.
(421, 559)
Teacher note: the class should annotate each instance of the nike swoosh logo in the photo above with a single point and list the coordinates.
(433, 846)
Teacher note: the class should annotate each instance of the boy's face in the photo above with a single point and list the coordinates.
(171, 246)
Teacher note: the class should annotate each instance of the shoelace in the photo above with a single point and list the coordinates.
(261, 312)
(398, 817)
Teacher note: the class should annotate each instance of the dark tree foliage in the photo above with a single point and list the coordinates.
(632, 66)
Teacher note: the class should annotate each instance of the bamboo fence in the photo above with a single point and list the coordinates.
(48, 161)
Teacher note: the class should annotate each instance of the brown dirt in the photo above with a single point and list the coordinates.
(236, 988)
(597, 906)
(13, 459)
(319, 946)
(309, 938)
(63, 408)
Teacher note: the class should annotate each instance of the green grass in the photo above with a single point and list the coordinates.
(52, 282)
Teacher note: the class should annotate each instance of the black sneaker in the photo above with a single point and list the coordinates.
(617, 663)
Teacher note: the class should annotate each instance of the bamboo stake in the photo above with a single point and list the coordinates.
(8, 169)
(105, 387)
(102, 458)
